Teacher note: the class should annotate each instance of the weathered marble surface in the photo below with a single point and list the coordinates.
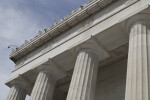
(44, 85)
(16, 93)
(138, 77)
(106, 30)
(83, 83)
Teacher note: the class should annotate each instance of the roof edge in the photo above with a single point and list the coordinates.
(58, 27)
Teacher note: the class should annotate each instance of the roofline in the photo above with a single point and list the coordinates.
(59, 27)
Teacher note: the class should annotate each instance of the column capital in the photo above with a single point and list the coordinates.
(92, 48)
(44, 67)
(51, 67)
(16, 83)
(23, 83)
(137, 19)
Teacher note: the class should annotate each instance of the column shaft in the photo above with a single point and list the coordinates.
(16, 93)
(138, 77)
(44, 86)
(84, 77)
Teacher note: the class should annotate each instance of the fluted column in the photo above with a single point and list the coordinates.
(44, 86)
(16, 93)
(84, 77)
(138, 70)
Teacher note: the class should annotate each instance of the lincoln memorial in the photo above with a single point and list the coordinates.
(100, 51)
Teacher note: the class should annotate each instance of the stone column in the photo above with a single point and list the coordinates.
(84, 77)
(138, 70)
(44, 85)
(16, 93)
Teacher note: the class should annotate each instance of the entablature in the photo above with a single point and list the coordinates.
(83, 27)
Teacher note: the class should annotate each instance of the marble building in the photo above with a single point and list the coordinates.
(97, 52)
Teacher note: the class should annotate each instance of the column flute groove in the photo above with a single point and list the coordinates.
(137, 84)
(83, 82)
(16, 93)
(44, 86)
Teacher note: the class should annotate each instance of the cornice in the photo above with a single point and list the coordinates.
(58, 27)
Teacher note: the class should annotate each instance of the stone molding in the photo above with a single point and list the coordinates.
(59, 26)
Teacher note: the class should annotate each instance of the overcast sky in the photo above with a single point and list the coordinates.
(21, 20)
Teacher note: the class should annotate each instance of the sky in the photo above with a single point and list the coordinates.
(21, 20)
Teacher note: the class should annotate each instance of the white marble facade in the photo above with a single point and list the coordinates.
(103, 56)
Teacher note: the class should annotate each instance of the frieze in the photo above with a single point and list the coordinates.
(86, 24)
